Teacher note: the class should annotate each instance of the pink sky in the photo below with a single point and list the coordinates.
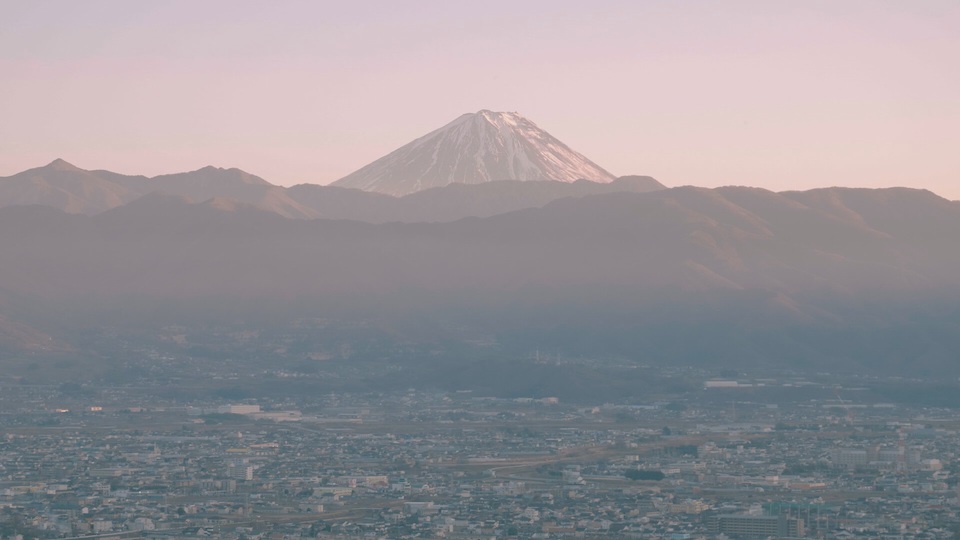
(776, 94)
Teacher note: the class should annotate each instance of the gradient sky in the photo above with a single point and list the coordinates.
(776, 94)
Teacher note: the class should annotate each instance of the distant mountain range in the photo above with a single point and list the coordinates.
(485, 234)
(71, 189)
(485, 146)
(845, 279)
(77, 191)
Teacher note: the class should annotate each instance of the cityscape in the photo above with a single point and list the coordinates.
(785, 456)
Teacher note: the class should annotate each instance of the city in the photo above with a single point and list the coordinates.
(787, 456)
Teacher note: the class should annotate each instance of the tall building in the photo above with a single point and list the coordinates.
(744, 526)
(240, 471)
(851, 458)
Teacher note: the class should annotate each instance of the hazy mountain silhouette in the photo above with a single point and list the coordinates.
(74, 190)
(455, 201)
(234, 184)
(838, 277)
(77, 191)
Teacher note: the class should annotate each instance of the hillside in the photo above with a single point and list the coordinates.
(743, 276)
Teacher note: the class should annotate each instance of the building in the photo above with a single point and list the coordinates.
(238, 409)
(851, 458)
(744, 526)
(240, 471)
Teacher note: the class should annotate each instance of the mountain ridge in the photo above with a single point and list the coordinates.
(752, 273)
(75, 190)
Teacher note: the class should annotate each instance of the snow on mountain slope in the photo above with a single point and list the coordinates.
(473, 149)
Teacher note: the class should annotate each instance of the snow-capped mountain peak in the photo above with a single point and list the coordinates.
(478, 147)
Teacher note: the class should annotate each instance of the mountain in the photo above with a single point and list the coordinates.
(475, 148)
(78, 191)
(213, 182)
(739, 277)
(71, 189)
(455, 201)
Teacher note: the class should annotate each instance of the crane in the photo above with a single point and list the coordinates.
(845, 405)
